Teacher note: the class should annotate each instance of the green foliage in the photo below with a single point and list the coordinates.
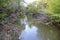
(53, 9)
(33, 8)
(6, 8)
(3, 6)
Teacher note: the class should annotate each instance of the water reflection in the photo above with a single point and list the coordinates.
(29, 33)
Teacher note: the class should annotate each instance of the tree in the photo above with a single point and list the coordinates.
(6, 7)
(32, 8)
(53, 10)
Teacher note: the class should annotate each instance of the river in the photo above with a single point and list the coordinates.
(38, 31)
